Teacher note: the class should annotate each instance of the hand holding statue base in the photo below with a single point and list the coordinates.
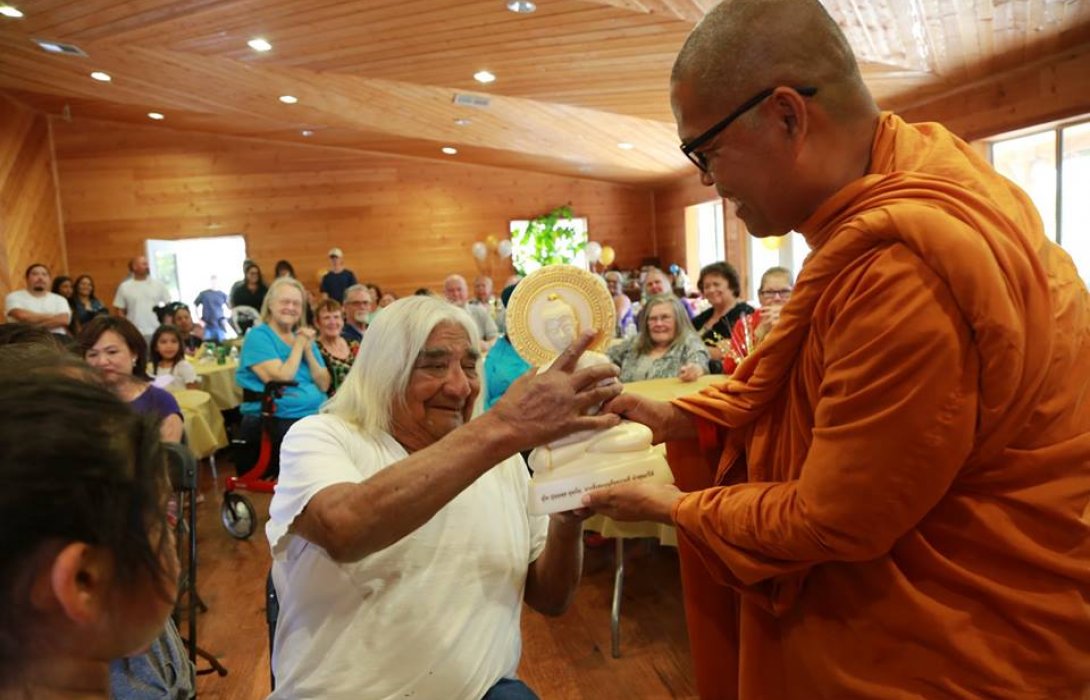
(545, 315)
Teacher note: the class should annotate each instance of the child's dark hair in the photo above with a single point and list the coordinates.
(77, 465)
(156, 358)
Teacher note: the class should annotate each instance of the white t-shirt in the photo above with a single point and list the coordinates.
(139, 298)
(183, 374)
(434, 615)
(50, 303)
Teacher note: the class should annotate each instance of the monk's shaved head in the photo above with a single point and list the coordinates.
(744, 46)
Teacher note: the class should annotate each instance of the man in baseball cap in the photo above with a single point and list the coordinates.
(338, 278)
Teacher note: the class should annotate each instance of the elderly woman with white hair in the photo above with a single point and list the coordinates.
(282, 349)
(402, 547)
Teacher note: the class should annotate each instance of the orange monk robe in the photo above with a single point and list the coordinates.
(896, 503)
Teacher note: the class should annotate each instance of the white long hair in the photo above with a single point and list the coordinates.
(380, 375)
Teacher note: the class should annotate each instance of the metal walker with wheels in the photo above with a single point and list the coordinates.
(237, 512)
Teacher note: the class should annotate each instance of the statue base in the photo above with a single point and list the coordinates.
(561, 490)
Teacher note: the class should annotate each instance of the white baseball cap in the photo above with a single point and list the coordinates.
(335, 253)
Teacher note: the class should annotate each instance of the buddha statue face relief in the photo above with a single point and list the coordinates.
(559, 322)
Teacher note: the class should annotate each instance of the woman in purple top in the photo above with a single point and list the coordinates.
(115, 347)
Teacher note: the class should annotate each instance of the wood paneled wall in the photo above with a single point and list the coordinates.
(1056, 88)
(30, 224)
(403, 223)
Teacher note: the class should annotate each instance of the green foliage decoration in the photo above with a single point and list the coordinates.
(546, 240)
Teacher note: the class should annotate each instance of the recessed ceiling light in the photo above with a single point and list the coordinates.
(450, 151)
(289, 99)
(156, 116)
(259, 44)
(9, 11)
(101, 77)
(59, 47)
(462, 121)
(483, 76)
(625, 145)
(307, 132)
(523, 7)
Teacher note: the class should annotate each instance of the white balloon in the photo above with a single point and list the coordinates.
(504, 249)
(594, 251)
(480, 250)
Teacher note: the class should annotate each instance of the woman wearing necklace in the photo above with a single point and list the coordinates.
(338, 352)
(283, 350)
(720, 285)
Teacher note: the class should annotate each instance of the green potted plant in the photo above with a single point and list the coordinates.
(547, 240)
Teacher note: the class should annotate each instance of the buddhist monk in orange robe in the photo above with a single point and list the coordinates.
(889, 498)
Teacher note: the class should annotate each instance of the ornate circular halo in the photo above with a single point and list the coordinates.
(529, 307)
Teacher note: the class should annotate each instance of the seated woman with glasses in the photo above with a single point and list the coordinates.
(749, 331)
(665, 346)
(282, 349)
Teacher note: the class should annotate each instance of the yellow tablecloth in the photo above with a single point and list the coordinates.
(204, 429)
(671, 388)
(219, 381)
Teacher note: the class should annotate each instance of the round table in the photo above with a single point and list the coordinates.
(204, 430)
(672, 387)
(219, 381)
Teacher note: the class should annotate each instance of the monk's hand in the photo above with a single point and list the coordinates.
(635, 502)
(542, 406)
(665, 421)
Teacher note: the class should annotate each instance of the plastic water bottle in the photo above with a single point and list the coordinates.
(234, 353)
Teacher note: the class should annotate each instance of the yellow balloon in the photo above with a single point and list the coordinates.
(491, 241)
(772, 242)
(607, 256)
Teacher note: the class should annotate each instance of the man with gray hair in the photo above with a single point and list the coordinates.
(457, 292)
(359, 306)
(402, 547)
(889, 496)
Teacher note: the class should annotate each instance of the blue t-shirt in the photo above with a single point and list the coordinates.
(211, 302)
(334, 283)
(262, 344)
(502, 367)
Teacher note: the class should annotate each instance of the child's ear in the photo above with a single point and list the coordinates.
(75, 583)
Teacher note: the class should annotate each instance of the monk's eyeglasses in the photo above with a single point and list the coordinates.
(700, 160)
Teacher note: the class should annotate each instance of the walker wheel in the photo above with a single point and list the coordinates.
(238, 515)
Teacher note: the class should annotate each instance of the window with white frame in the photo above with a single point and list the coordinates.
(1053, 166)
(775, 251)
(526, 257)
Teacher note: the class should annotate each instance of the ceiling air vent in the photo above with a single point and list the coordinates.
(58, 47)
(467, 100)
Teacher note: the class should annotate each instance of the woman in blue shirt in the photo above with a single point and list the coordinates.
(282, 349)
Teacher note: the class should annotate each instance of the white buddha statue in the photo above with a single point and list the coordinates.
(574, 462)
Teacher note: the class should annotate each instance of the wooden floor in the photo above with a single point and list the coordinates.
(563, 658)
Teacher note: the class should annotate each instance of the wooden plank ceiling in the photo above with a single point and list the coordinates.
(574, 78)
